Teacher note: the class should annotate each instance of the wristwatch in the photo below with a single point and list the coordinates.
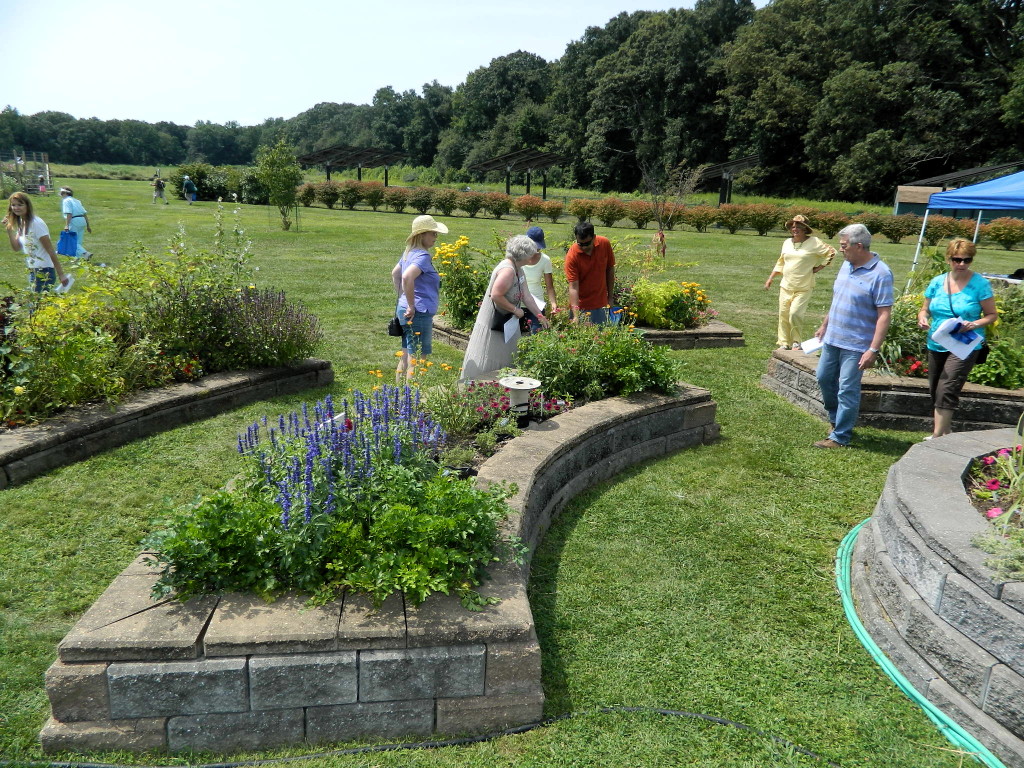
(873, 350)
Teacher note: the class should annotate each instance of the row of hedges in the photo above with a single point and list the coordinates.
(760, 217)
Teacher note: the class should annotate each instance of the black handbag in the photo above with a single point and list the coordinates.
(394, 327)
(499, 320)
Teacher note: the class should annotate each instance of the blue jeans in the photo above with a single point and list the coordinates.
(595, 316)
(417, 337)
(839, 380)
(42, 279)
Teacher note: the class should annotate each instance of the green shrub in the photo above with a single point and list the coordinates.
(941, 228)
(674, 305)
(446, 200)
(1004, 367)
(306, 194)
(372, 193)
(471, 202)
(895, 228)
(732, 217)
(904, 344)
(553, 210)
(421, 198)
(700, 217)
(582, 208)
(764, 217)
(328, 193)
(396, 198)
(528, 206)
(639, 212)
(580, 361)
(1007, 231)
(609, 210)
(350, 194)
(209, 180)
(829, 222)
(497, 204)
(873, 221)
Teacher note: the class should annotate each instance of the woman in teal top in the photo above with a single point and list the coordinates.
(958, 293)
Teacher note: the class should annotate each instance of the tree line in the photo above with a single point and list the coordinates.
(840, 98)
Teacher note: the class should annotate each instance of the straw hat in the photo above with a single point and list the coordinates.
(802, 221)
(423, 224)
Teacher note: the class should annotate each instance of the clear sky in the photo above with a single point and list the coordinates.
(247, 60)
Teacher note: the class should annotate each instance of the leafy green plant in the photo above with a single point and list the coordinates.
(463, 282)
(339, 500)
(396, 198)
(764, 217)
(609, 210)
(582, 208)
(446, 200)
(350, 194)
(639, 212)
(1004, 366)
(1007, 231)
(372, 193)
(700, 217)
(327, 193)
(905, 342)
(732, 217)
(528, 206)
(583, 362)
(941, 228)
(895, 228)
(673, 305)
(497, 204)
(421, 198)
(553, 210)
(471, 203)
(829, 222)
(279, 172)
(306, 194)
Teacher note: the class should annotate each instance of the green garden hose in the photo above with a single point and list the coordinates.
(956, 735)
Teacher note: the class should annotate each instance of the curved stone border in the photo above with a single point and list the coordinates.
(929, 601)
(714, 334)
(30, 451)
(892, 402)
(231, 672)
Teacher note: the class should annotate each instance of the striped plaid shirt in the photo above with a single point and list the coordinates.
(856, 296)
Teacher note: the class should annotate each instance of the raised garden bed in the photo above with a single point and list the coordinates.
(31, 451)
(714, 334)
(929, 601)
(231, 672)
(892, 402)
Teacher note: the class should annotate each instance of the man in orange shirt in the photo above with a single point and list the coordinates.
(590, 272)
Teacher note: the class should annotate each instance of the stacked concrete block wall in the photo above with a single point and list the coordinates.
(31, 451)
(232, 672)
(931, 603)
(892, 402)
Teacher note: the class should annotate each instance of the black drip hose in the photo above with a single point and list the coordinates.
(439, 744)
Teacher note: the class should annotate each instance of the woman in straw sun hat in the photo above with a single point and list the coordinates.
(803, 255)
(417, 285)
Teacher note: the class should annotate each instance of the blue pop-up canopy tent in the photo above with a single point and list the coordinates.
(1003, 194)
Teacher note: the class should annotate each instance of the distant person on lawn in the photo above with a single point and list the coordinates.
(590, 272)
(30, 236)
(76, 219)
(158, 189)
(189, 188)
(852, 331)
(803, 256)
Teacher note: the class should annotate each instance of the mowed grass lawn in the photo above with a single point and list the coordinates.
(701, 582)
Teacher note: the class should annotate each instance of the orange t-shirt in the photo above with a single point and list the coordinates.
(591, 272)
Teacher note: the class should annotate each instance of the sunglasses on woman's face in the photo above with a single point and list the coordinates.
(958, 260)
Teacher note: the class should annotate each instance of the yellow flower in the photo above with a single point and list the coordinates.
(19, 391)
(399, 353)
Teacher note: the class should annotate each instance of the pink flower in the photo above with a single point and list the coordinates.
(994, 512)
(988, 460)
(992, 485)
(1004, 451)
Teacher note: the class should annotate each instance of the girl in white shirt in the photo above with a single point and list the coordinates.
(29, 235)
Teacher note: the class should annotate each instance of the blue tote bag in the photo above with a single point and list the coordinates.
(68, 243)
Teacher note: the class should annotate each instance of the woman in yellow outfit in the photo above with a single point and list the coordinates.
(802, 256)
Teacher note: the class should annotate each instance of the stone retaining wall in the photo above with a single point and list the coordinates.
(231, 672)
(714, 334)
(930, 602)
(892, 402)
(31, 451)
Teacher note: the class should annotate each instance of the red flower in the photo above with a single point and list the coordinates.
(992, 485)
(349, 426)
